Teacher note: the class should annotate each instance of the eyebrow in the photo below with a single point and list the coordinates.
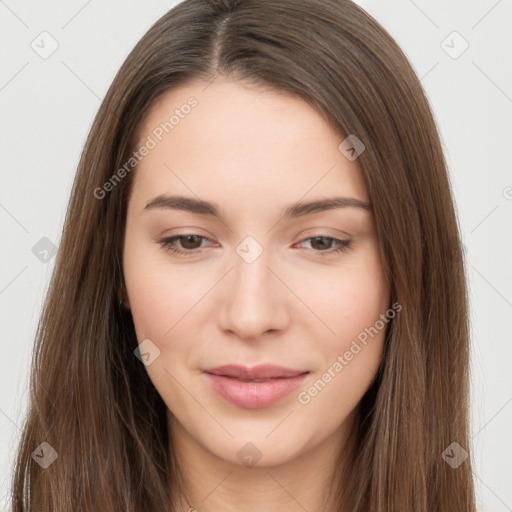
(201, 207)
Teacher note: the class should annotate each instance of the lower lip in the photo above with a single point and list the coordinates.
(254, 395)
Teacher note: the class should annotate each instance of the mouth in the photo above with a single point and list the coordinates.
(256, 387)
(255, 373)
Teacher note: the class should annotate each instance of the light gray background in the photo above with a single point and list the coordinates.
(48, 106)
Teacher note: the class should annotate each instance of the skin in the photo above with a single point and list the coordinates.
(254, 153)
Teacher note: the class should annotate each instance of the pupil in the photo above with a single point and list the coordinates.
(190, 238)
(320, 238)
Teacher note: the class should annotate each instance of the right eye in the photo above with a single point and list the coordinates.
(169, 244)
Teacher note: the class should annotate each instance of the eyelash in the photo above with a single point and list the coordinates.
(168, 245)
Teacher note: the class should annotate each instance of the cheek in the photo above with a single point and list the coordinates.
(354, 308)
(352, 302)
(160, 297)
(160, 294)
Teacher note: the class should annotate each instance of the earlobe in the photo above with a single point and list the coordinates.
(123, 298)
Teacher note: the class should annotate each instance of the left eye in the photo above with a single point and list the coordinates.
(186, 241)
(340, 245)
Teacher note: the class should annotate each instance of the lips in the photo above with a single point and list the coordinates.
(256, 387)
(255, 373)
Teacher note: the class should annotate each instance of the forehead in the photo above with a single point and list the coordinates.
(233, 140)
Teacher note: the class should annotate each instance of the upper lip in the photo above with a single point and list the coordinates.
(263, 371)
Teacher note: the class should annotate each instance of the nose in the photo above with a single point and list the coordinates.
(254, 299)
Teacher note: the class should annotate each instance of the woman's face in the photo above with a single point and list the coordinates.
(253, 283)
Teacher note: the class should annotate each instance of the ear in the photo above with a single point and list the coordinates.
(122, 296)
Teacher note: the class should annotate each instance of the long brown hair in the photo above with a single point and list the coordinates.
(91, 399)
